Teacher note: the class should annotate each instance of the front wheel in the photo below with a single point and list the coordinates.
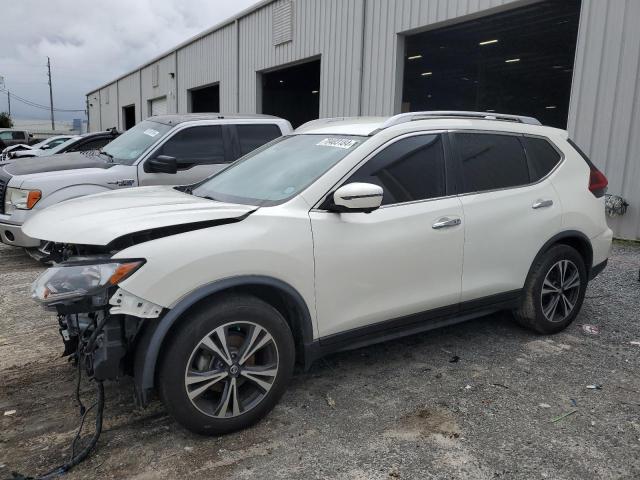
(554, 291)
(227, 366)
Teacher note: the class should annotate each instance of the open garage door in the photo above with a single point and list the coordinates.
(518, 61)
(158, 106)
(293, 93)
(204, 99)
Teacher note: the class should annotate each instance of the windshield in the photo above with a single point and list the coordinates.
(128, 147)
(279, 170)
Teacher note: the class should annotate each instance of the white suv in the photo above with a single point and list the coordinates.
(344, 233)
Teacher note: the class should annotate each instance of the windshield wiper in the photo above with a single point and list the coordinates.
(107, 154)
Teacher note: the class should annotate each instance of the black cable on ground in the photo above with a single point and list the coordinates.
(99, 403)
(84, 453)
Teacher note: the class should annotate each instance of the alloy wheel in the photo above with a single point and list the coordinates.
(560, 290)
(231, 369)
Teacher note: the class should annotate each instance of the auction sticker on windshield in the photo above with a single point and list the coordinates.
(151, 132)
(337, 143)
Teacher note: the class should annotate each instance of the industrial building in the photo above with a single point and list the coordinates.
(572, 64)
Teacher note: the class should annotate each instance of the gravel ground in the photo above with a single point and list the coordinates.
(401, 409)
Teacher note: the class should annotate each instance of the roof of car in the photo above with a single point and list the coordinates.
(194, 117)
(369, 126)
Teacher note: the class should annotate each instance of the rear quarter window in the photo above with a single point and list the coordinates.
(254, 136)
(541, 157)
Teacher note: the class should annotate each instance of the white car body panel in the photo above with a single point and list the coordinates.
(274, 242)
(503, 234)
(377, 266)
(134, 210)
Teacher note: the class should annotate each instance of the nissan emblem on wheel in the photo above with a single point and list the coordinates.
(342, 233)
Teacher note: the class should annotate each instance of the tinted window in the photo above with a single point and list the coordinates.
(541, 156)
(410, 169)
(254, 136)
(95, 144)
(491, 161)
(19, 135)
(203, 145)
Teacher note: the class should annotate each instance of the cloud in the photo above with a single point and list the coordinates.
(91, 43)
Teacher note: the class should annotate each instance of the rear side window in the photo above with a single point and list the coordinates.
(199, 145)
(408, 170)
(541, 156)
(491, 161)
(254, 136)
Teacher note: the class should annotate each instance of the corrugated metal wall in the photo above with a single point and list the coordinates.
(211, 59)
(109, 106)
(331, 29)
(360, 44)
(604, 115)
(129, 94)
(166, 84)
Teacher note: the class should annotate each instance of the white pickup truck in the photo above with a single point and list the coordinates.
(162, 150)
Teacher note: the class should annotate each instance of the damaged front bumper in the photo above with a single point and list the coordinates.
(103, 337)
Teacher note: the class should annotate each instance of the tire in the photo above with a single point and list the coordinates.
(244, 322)
(536, 310)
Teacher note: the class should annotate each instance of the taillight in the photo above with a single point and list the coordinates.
(597, 182)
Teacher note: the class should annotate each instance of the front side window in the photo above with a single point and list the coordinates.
(491, 161)
(279, 170)
(128, 147)
(408, 170)
(254, 136)
(197, 145)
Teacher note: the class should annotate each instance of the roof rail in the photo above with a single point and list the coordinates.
(413, 116)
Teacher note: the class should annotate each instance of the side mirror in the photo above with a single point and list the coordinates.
(161, 164)
(46, 147)
(357, 197)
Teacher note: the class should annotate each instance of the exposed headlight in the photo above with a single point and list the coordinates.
(71, 281)
(19, 199)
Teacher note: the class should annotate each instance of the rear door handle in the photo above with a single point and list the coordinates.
(541, 204)
(446, 222)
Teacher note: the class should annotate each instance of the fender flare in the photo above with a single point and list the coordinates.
(560, 236)
(148, 351)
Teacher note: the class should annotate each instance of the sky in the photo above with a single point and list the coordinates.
(90, 43)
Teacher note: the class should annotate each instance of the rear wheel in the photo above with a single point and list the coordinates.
(554, 291)
(228, 365)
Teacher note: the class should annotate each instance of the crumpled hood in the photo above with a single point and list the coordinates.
(100, 219)
(56, 163)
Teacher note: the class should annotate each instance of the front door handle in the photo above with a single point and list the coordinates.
(541, 204)
(446, 222)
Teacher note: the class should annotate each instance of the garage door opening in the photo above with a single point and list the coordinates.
(519, 61)
(129, 116)
(205, 99)
(293, 93)
(158, 106)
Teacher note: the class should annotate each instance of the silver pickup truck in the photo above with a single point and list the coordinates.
(162, 150)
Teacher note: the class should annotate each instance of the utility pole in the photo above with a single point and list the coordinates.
(53, 124)
(9, 101)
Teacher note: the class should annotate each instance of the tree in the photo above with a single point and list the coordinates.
(5, 120)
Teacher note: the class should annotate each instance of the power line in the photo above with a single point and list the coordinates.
(38, 105)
